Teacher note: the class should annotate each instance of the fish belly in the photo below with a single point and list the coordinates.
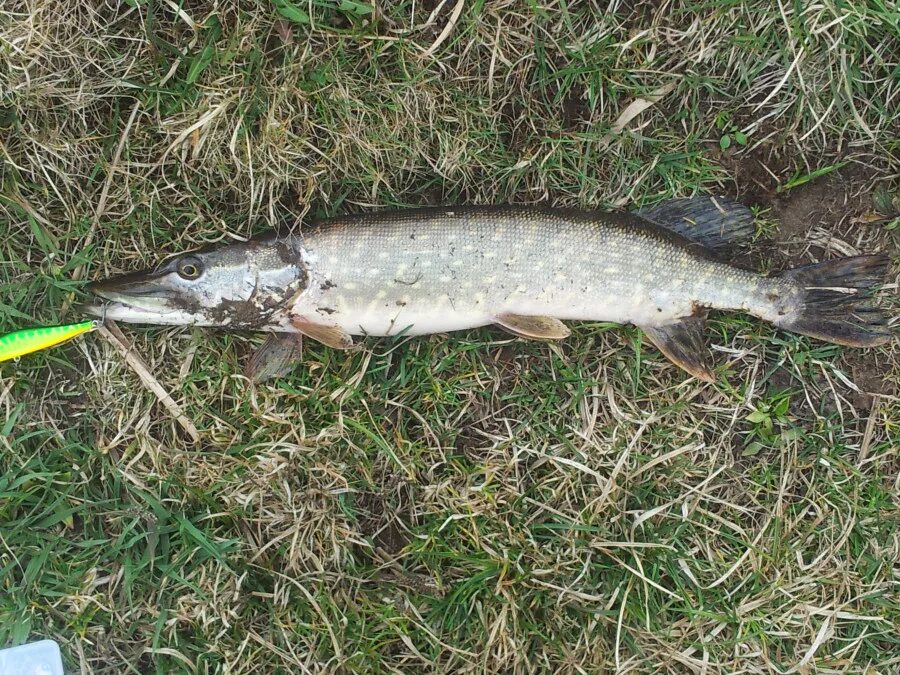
(412, 321)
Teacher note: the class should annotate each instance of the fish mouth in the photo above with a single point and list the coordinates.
(135, 298)
(121, 311)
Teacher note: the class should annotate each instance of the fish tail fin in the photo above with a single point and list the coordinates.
(835, 303)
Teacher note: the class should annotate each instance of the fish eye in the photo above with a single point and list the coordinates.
(189, 268)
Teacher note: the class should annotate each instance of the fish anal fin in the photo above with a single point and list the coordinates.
(329, 335)
(684, 345)
(713, 222)
(536, 327)
(275, 357)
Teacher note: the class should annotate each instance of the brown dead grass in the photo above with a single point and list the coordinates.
(452, 504)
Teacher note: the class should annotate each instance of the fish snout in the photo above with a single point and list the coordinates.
(138, 298)
(138, 284)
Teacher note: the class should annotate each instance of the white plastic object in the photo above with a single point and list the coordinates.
(34, 658)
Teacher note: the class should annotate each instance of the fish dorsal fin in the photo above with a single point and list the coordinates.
(684, 345)
(330, 335)
(713, 222)
(276, 357)
(537, 327)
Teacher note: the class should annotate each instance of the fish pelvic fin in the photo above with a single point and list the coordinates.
(535, 327)
(275, 357)
(835, 302)
(716, 223)
(684, 344)
(330, 335)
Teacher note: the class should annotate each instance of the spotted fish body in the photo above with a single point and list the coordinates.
(429, 271)
(526, 269)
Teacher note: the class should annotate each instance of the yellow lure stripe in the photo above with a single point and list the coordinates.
(31, 340)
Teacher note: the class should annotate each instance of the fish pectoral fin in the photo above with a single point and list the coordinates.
(276, 357)
(327, 334)
(537, 327)
(683, 344)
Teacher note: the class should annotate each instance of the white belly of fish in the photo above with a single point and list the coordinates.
(391, 313)
(380, 311)
(421, 321)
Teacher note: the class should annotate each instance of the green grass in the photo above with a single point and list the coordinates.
(449, 503)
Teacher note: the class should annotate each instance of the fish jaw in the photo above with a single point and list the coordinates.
(120, 311)
(138, 298)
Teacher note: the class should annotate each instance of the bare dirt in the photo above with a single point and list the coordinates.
(871, 373)
(839, 205)
(377, 520)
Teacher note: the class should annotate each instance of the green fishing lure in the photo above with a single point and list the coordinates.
(29, 340)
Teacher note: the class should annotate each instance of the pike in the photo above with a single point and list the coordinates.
(526, 269)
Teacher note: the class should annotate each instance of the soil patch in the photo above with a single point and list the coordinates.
(871, 373)
(378, 521)
(810, 218)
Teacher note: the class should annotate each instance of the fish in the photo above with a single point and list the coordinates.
(526, 269)
(30, 340)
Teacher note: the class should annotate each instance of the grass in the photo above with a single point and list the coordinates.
(452, 503)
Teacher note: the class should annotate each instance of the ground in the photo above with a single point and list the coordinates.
(465, 502)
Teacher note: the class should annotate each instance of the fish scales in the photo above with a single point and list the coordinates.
(432, 271)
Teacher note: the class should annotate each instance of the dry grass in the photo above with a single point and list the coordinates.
(461, 503)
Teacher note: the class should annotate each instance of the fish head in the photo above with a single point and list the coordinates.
(240, 286)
